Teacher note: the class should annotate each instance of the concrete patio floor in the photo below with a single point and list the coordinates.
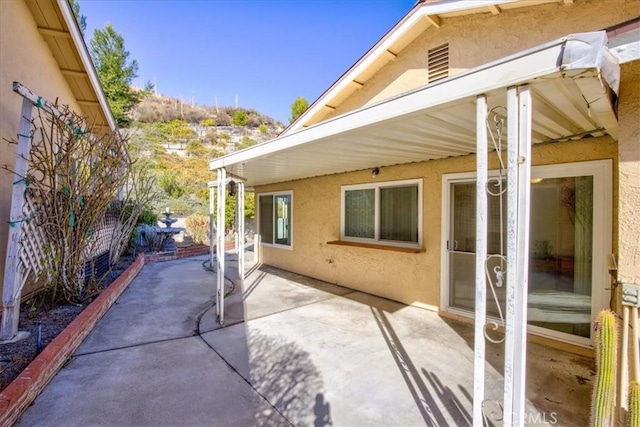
(293, 351)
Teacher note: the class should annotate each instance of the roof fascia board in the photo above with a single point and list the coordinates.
(449, 6)
(513, 70)
(81, 47)
(380, 48)
(426, 11)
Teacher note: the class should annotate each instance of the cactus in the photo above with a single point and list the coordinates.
(603, 402)
(633, 416)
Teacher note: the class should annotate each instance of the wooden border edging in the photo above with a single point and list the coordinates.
(18, 395)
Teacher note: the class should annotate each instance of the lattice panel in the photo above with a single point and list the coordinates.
(34, 258)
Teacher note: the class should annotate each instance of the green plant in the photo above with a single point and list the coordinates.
(542, 249)
(198, 228)
(169, 183)
(147, 216)
(299, 106)
(604, 391)
(246, 143)
(633, 416)
(208, 122)
(240, 118)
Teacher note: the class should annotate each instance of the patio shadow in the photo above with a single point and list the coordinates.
(285, 375)
(278, 370)
(430, 405)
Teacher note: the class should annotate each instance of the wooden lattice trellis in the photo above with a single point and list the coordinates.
(64, 223)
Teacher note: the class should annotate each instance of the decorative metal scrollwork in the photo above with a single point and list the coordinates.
(496, 188)
(492, 411)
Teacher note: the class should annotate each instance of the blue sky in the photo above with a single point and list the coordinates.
(266, 52)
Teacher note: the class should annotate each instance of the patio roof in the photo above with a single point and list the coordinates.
(573, 80)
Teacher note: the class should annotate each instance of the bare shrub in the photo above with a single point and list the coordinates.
(75, 179)
(198, 228)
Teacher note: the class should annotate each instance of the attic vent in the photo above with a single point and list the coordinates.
(438, 63)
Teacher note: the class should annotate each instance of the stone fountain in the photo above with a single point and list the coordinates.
(167, 233)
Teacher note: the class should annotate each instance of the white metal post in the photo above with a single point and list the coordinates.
(12, 288)
(217, 240)
(512, 206)
(522, 253)
(211, 224)
(518, 212)
(240, 221)
(481, 256)
(221, 205)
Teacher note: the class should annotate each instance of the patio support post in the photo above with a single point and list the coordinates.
(212, 226)
(519, 119)
(12, 288)
(481, 256)
(222, 177)
(240, 226)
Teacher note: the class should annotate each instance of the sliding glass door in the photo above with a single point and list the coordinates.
(570, 222)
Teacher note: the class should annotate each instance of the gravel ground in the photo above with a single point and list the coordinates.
(15, 357)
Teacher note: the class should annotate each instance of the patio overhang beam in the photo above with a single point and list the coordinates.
(573, 79)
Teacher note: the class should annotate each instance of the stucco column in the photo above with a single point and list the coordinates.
(629, 175)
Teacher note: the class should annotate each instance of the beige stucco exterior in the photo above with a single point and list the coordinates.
(480, 38)
(628, 199)
(26, 58)
(406, 277)
(474, 40)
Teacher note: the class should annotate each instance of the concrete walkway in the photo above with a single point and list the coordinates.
(294, 351)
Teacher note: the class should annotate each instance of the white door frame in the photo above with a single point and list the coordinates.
(601, 170)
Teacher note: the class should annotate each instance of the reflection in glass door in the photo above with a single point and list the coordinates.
(561, 252)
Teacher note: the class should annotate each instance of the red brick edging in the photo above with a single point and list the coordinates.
(18, 395)
(180, 253)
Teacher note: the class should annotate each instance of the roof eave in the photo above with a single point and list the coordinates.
(420, 11)
(87, 63)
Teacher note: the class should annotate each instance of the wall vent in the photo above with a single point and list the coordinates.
(438, 63)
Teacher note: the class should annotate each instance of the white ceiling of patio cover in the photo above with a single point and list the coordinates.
(573, 81)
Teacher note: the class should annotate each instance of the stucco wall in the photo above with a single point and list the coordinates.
(24, 57)
(408, 278)
(629, 174)
(477, 39)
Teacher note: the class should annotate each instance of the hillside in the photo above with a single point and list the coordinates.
(174, 141)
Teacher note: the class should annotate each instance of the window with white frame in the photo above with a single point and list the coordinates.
(275, 218)
(387, 213)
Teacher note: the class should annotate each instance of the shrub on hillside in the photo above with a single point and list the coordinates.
(240, 118)
(169, 183)
(198, 228)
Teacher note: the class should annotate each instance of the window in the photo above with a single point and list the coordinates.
(275, 213)
(438, 63)
(384, 213)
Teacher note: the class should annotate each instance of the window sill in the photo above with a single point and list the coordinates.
(374, 246)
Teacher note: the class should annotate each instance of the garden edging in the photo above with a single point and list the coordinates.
(18, 395)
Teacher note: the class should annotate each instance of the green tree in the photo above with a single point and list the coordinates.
(116, 72)
(80, 18)
(297, 108)
(240, 118)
